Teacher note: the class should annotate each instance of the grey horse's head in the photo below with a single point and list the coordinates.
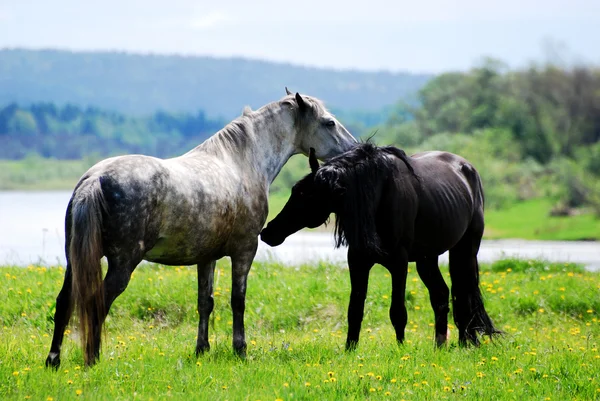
(316, 127)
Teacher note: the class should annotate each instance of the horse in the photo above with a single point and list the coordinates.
(391, 209)
(196, 208)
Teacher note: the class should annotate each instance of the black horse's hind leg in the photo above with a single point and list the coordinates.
(439, 294)
(62, 315)
(240, 267)
(398, 269)
(469, 312)
(116, 280)
(206, 303)
(359, 266)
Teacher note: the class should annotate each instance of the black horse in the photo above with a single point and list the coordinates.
(391, 209)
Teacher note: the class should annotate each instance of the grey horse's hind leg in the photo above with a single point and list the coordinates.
(116, 281)
(240, 267)
(439, 296)
(206, 272)
(64, 310)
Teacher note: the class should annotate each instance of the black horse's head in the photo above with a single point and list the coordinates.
(308, 206)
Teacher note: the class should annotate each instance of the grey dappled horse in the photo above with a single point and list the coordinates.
(193, 209)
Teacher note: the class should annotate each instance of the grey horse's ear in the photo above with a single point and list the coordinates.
(287, 91)
(312, 160)
(301, 104)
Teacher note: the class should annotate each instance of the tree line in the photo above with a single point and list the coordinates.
(532, 132)
(71, 132)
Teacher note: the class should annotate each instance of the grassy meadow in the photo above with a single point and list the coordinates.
(295, 328)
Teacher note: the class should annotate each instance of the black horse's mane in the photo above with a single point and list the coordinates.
(358, 174)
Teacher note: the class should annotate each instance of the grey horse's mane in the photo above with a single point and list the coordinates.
(236, 135)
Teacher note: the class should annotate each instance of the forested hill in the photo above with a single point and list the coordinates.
(143, 84)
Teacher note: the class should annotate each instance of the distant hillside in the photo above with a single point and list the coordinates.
(143, 84)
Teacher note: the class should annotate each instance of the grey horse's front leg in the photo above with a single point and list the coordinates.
(240, 267)
(206, 273)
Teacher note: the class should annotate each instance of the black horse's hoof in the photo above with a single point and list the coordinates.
(240, 351)
(53, 361)
(201, 350)
(351, 346)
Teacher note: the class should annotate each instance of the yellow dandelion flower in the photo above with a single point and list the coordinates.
(253, 342)
(307, 384)
(393, 380)
(388, 393)
(333, 379)
(286, 384)
(533, 370)
(69, 381)
(78, 392)
(447, 389)
(15, 373)
(224, 387)
(370, 374)
(480, 375)
(372, 390)
(378, 377)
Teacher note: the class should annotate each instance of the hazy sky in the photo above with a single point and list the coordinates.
(416, 35)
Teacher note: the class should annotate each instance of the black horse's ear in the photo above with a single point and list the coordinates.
(287, 91)
(312, 160)
(301, 104)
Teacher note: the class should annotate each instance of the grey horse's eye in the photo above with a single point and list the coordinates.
(330, 124)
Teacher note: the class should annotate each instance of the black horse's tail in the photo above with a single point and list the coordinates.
(85, 252)
(469, 312)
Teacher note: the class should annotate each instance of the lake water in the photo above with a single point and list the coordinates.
(32, 231)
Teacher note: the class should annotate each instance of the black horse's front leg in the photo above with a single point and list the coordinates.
(398, 268)
(359, 266)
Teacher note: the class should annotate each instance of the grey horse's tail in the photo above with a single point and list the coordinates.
(85, 252)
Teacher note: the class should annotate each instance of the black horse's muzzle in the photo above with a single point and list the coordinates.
(268, 238)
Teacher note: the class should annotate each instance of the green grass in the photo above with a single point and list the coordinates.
(295, 327)
(530, 220)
